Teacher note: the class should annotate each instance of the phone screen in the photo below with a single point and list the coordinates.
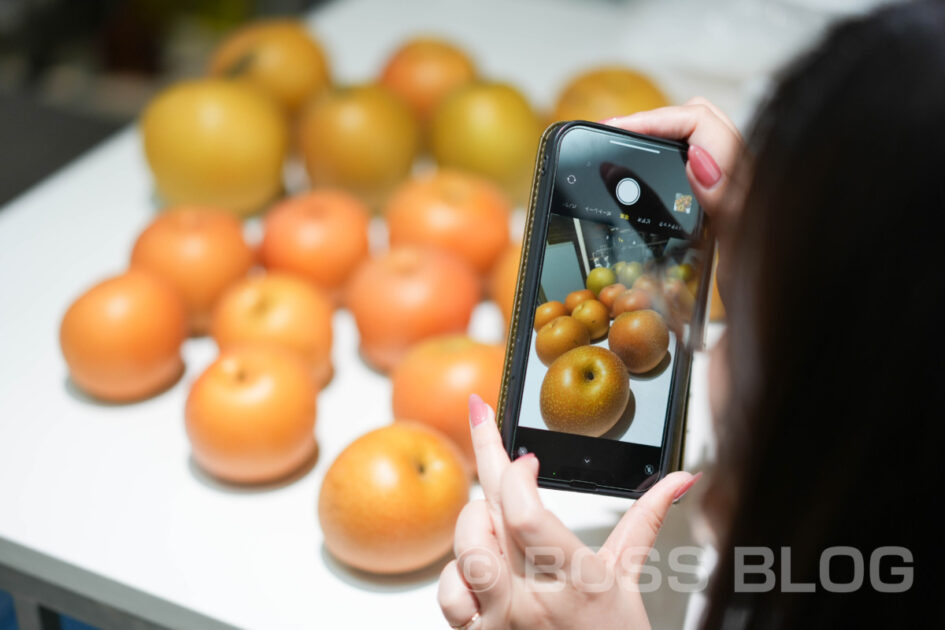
(624, 225)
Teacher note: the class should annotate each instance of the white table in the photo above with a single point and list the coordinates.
(102, 512)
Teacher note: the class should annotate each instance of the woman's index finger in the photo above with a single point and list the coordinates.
(491, 458)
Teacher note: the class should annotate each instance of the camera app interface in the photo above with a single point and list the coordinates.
(619, 280)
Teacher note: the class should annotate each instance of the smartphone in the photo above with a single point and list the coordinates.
(611, 212)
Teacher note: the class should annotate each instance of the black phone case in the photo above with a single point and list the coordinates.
(523, 313)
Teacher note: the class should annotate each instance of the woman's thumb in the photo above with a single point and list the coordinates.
(638, 528)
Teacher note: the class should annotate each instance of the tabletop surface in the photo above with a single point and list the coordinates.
(112, 488)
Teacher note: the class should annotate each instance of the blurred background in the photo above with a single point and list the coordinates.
(73, 72)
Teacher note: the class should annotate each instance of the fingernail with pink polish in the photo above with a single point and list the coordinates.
(477, 410)
(683, 489)
(705, 169)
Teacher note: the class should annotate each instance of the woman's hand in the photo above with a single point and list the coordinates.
(716, 172)
(518, 566)
(715, 147)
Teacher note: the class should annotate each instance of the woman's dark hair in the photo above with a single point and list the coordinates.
(833, 432)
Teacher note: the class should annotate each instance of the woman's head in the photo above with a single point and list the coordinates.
(831, 430)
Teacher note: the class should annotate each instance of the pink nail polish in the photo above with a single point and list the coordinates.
(682, 490)
(705, 169)
(477, 410)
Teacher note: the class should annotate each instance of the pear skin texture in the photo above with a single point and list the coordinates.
(585, 391)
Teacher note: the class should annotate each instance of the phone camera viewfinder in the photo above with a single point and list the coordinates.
(649, 469)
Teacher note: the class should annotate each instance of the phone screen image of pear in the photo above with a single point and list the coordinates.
(620, 274)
